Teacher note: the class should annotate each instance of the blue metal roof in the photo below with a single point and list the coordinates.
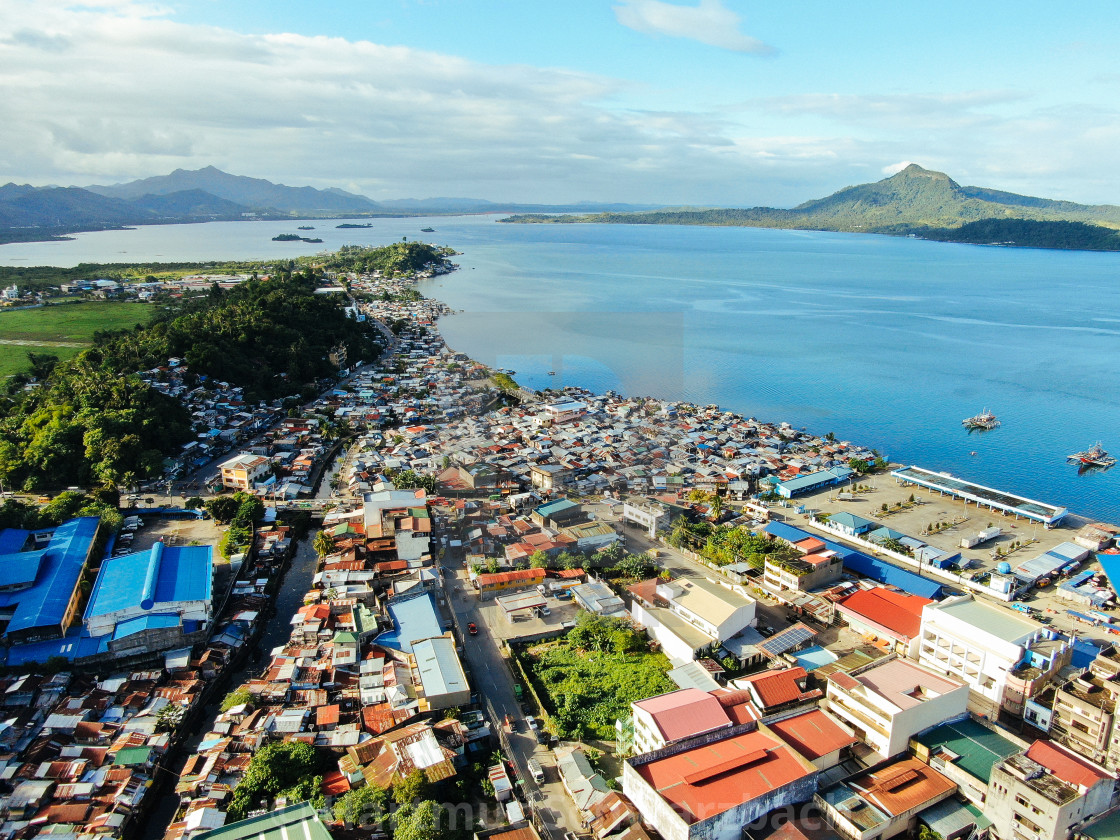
(160, 575)
(12, 540)
(145, 622)
(862, 564)
(414, 617)
(1110, 565)
(44, 603)
(20, 569)
(75, 645)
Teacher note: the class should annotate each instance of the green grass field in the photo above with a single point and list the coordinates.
(73, 324)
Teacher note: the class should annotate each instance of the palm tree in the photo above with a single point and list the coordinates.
(715, 506)
(323, 544)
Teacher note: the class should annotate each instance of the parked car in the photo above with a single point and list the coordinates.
(543, 611)
(472, 628)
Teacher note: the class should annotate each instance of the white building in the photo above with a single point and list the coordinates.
(668, 718)
(242, 471)
(690, 614)
(977, 643)
(888, 702)
(652, 517)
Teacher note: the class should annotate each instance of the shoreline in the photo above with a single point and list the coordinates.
(1072, 519)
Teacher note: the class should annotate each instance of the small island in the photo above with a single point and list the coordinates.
(353, 225)
(291, 237)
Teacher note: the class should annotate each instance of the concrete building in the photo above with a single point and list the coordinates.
(978, 643)
(153, 600)
(242, 471)
(886, 614)
(689, 614)
(652, 517)
(441, 677)
(557, 514)
(802, 574)
(676, 716)
(812, 482)
(709, 788)
(885, 802)
(598, 598)
(1083, 715)
(40, 572)
(813, 733)
(889, 701)
(548, 478)
(591, 536)
(965, 751)
(1046, 793)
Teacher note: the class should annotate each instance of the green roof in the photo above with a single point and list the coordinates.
(130, 756)
(1106, 828)
(296, 821)
(979, 748)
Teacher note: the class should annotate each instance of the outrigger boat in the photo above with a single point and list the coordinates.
(984, 420)
(1094, 456)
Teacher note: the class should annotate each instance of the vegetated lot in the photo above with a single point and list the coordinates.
(72, 323)
(588, 679)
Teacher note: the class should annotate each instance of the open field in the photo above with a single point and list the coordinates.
(61, 330)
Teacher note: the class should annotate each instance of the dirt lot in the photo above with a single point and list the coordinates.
(177, 532)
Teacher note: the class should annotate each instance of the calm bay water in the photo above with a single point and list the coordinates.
(887, 341)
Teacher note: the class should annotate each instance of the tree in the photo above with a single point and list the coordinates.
(237, 697)
(194, 503)
(222, 508)
(323, 544)
(715, 507)
(411, 788)
(276, 768)
(424, 821)
(361, 806)
(538, 560)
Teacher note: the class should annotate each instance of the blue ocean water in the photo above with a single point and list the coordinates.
(887, 341)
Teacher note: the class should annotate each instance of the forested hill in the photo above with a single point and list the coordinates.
(93, 420)
(1025, 233)
(915, 200)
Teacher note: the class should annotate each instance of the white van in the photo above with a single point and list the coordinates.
(536, 771)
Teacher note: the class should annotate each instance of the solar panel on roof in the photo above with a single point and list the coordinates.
(789, 638)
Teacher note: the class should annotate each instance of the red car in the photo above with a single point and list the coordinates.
(472, 629)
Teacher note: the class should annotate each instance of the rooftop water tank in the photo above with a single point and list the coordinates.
(1004, 568)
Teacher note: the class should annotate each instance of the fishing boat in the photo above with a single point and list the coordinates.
(984, 420)
(427, 230)
(1094, 456)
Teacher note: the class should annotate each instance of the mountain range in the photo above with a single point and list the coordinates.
(913, 201)
(209, 194)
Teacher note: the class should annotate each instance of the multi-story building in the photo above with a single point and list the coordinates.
(1046, 793)
(690, 614)
(242, 471)
(1083, 715)
(669, 718)
(710, 787)
(981, 644)
(887, 614)
(801, 574)
(889, 701)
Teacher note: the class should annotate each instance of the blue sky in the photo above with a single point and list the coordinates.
(721, 102)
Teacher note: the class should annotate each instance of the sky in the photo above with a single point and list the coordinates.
(700, 102)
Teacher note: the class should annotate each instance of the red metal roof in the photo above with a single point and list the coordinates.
(711, 779)
(1065, 765)
(521, 575)
(903, 786)
(777, 687)
(680, 714)
(898, 612)
(813, 734)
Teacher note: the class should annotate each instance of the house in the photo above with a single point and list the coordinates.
(965, 751)
(802, 574)
(818, 737)
(981, 644)
(778, 690)
(889, 701)
(242, 471)
(884, 802)
(850, 524)
(495, 583)
(598, 598)
(1046, 792)
(676, 716)
(711, 789)
(887, 614)
(557, 514)
(591, 536)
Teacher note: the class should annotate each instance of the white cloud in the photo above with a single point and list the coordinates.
(709, 22)
(895, 168)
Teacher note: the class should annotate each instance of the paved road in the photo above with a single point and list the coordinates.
(494, 683)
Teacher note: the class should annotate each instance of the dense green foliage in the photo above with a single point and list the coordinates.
(361, 806)
(270, 337)
(589, 679)
(726, 544)
(241, 510)
(237, 697)
(66, 505)
(425, 820)
(400, 258)
(280, 768)
(1025, 233)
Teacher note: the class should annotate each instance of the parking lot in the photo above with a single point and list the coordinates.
(173, 532)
